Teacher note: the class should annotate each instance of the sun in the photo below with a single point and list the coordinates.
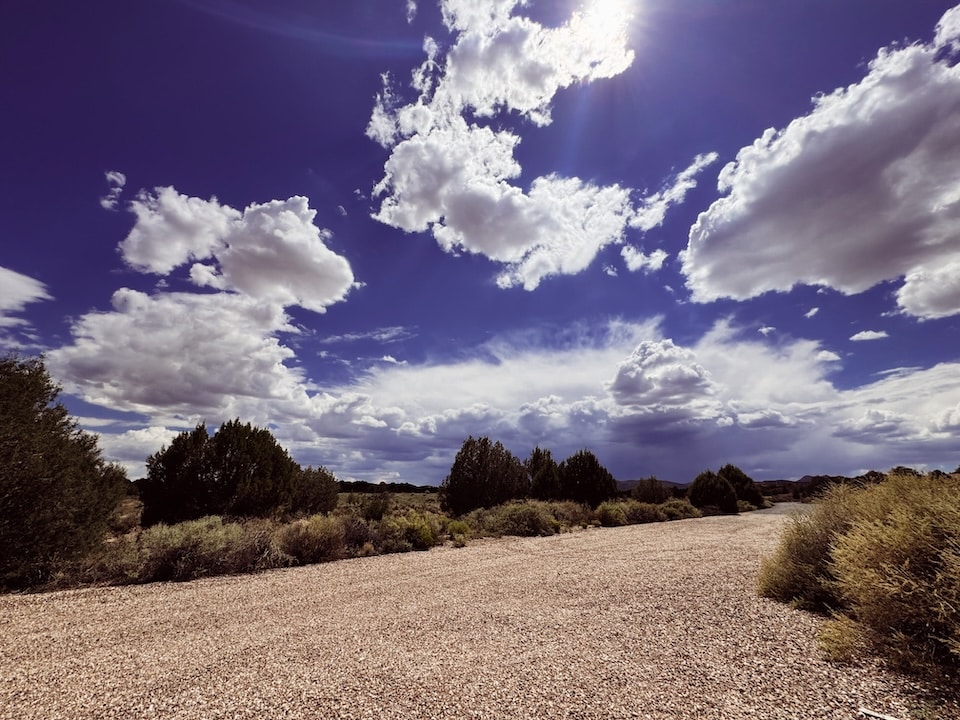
(605, 21)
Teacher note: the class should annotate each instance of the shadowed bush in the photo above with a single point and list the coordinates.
(679, 509)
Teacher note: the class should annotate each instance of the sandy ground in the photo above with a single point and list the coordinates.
(650, 621)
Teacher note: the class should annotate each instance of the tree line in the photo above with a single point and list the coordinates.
(58, 495)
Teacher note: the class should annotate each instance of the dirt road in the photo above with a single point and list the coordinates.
(651, 621)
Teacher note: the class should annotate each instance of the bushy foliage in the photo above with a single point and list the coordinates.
(319, 538)
(529, 518)
(800, 571)
(544, 475)
(711, 492)
(885, 560)
(240, 471)
(638, 513)
(57, 494)
(197, 548)
(611, 514)
(743, 486)
(679, 509)
(484, 474)
(583, 479)
(651, 490)
(315, 490)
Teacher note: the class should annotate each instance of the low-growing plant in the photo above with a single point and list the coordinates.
(885, 557)
(611, 513)
(318, 538)
(800, 571)
(641, 512)
(525, 518)
(897, 569)
(679, 509)
(193, 549)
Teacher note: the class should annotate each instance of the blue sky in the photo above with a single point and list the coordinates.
(679, 233)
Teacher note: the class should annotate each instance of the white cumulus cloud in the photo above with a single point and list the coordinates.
(869, 335)
(457, 178)
(271, 251)
(863, 189)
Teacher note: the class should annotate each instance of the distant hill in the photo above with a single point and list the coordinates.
(362, 486)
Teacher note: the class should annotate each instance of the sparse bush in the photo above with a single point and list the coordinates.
(711, 493)
(319, 538)
(356, 534)
(569, 514)
(375, 505)
(459, 532)
(641, 512)
(897, 570)
(422, 530)
(679, 509)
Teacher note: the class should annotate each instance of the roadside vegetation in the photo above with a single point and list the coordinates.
(234, 501)
(882, 560)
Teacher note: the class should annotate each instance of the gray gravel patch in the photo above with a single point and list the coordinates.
(651, 621)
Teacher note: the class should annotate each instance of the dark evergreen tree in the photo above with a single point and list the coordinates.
(544, 474)
(57, 494)
(710, 490)
(483, 474)
(583, 479)
(240, 471)
(651, 490)
(742, 484)
(314, 491)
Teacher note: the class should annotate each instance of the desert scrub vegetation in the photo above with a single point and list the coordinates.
(883, 560)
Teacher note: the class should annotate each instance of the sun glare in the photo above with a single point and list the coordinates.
(605, 21)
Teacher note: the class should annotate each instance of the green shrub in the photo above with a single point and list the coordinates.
(422, 530)
(800, 571)
(193, 549)
(319, 538)
(569, 514)
(526, 519)
(375, 505)
(898, 569)
(679, 509)
(886, 559)
(641, 512)
(611, 513)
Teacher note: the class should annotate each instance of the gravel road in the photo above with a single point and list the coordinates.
(649, 621)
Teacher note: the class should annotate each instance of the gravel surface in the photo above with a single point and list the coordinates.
(649, 621)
